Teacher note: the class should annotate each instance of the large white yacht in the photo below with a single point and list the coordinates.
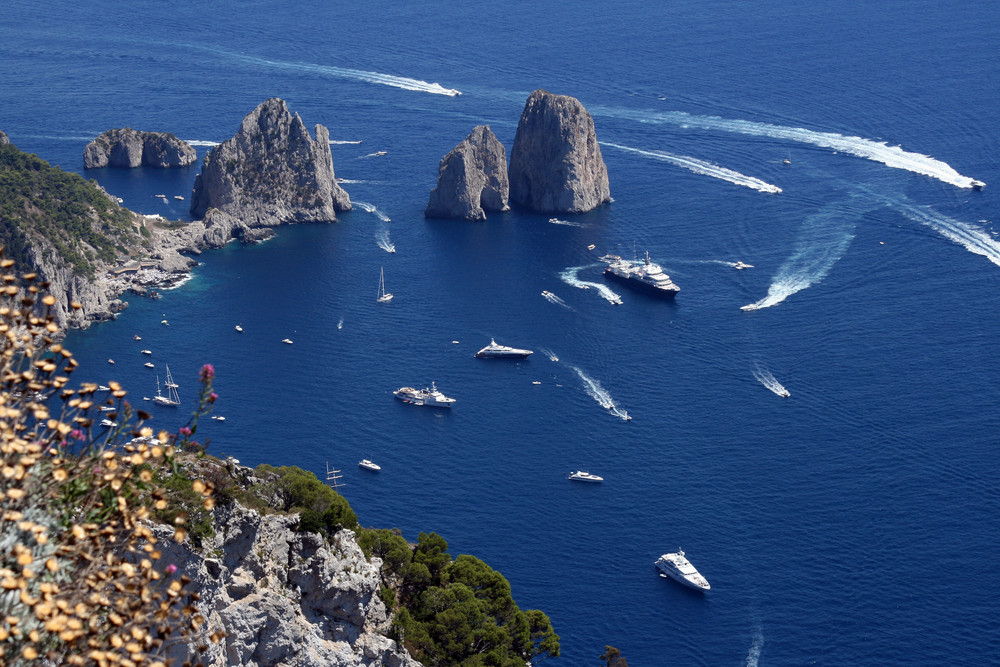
(432, 397)
(680, 569)
(497, 351)
(642, 274)
(581, 476)
(369, 465)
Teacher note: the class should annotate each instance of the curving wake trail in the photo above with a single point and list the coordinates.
(599, 394)
(703, 168)
(382, 239)
(973, 238)
(877, 151)
(552, 298)
(569, 276)
(824, 239)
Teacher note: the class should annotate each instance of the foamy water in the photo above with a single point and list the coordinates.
(702, 167)
(877, 151)
(569, 276)
(973, 238)
(371, 208)
(552, 298)
(764, 376)
(599, 394)
(382, 238)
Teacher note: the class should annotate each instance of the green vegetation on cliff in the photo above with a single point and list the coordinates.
(59, 213)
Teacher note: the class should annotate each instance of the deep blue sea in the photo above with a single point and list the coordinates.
(856, 522)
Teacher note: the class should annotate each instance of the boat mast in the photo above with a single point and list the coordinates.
(332, 475)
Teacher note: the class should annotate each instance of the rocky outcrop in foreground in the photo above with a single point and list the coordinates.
(128, 148)
(472, 179)
(3, 138)
(287, 598)
(270, 173)
(556, 163)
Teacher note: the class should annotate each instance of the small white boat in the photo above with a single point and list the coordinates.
(107, 423)
(742, 265)
(383, 296)
(111, 361)
(149, 364)
(165, 323)
(591, 246)
(107, 408)
(581, 476)
(368, 465)
(286, 341)
(977, 185)
(178, 197)
(239, 328)
(679, 568)
(161, 196)
(218, 418)
(145, 352)
(103, 387)
(137, 337)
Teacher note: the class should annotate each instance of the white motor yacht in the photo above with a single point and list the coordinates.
(496, 351)
(679, 568)
(369, 465)
(432, 397)
(581, 476)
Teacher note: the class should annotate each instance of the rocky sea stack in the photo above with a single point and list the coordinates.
(472, 179)
(270, 173)
(128, 148)
(556, 164)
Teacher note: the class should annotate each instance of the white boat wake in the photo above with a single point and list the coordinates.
(569, 276)
(753, 655)
(382, 238)
(599, 394)
(877, 151)
(371, 208)
(765, 377)
(971, 237)
(197, 142)
(552, 298)
(703, 168)
(344, 141)
(379, 78)
(566, 223)
(340, 323)
(549, 353)
(824, 239)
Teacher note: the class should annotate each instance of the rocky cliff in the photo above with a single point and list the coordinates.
(128, 148)
(271, 172)
(287, 598)
(3, 138)
(472, 179)
(556, 163)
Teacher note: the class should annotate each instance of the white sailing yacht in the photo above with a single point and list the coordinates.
(172, 397)
(383, 296)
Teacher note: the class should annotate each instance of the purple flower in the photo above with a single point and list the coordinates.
(207, 372)
(212, 397)
(185, 431)
(76, 434)
(171, 568)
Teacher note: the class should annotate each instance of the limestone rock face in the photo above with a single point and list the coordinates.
(271, 172)
(287, 598)
(472, 179)
(556, 163)
(128, 148)
(3, 138)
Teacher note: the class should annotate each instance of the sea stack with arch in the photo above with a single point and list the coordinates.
(472, 179)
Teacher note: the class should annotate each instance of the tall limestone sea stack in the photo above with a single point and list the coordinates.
(270, 173)
(128, 148)
(556, 164)
(472, 179)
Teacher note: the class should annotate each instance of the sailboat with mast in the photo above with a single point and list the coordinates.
(383, 296)
(172, 398)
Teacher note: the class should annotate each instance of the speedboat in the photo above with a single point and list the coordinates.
(178, 197)
(145, 352)
(679, 568)
(286, 341)
(368, 465)
(107, 423)
(432, 397)
(111, 361)
(136, 337)
(581, 476)
(239, 328)
(149, 364)
(977, 185)
(742, 265)
(218, 418)
(496, 351)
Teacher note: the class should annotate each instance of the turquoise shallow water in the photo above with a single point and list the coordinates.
(853, 522)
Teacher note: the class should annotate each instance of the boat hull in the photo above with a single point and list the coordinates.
(511, 354)
(640, 286)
